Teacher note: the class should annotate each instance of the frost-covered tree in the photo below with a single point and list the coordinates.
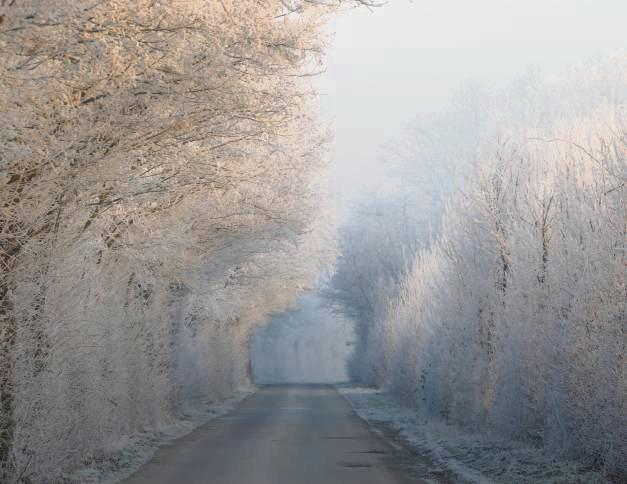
(378, 243)
(374, 248)
(160, 185)
(513, 317)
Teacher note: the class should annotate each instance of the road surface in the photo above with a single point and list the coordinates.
(296, 434)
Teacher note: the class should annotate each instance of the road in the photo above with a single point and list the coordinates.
(296, 434)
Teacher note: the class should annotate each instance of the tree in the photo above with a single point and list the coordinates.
(161, 182)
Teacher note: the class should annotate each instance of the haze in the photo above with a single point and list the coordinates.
(389, 64)
(198, 286)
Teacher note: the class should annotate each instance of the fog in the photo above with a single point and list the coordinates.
(310, 344)
(402, 60)
(438, 218)
(389, 64)
(478, 146)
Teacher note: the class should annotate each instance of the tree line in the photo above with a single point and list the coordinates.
(160, 193)
(491, 290)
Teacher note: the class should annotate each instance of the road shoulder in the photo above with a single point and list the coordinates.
(445, 453)
(131, 453)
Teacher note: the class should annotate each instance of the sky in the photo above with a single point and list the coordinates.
(391, 63)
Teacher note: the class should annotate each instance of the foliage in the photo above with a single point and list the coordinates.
(512, 317)
(160, 171)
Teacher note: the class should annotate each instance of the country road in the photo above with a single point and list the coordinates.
(288, 434)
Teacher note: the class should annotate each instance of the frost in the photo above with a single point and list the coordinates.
(490, 291)
(130, 453)
(162, 171)
(472, 457)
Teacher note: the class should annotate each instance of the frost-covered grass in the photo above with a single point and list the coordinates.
(470, 457)
(134, 451)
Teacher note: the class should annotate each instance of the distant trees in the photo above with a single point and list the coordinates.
(375, 249)
(513, 316)
(160, 170)
(309, 343)
(378, 244)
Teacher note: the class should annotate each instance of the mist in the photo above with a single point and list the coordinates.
(404, 59)
(309, 344)
(229, 228)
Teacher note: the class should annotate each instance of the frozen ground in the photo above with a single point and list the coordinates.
(131, 453)
(459, 456)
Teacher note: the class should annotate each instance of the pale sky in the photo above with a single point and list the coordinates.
(406, 58)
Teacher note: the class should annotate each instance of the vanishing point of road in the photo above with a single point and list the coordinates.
(287, 434)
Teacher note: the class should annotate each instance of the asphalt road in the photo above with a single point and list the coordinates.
(296, 434)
